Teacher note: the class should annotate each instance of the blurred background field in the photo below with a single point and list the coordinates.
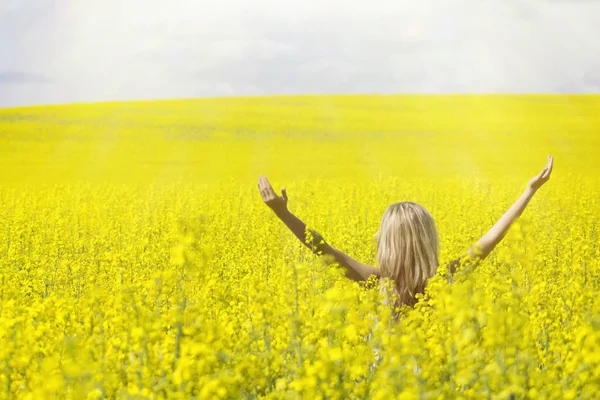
(138, 261)
(320, 136)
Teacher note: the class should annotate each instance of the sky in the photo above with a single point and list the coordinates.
(66, 51)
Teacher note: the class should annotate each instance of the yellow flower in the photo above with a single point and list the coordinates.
(136, 260)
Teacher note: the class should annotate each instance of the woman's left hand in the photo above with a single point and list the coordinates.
(277, 203)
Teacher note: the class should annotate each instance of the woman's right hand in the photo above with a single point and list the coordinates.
(537, 181)
(277, 203)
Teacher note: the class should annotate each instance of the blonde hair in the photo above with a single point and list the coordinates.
(407, 250)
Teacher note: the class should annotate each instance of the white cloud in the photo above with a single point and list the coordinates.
(93, 50)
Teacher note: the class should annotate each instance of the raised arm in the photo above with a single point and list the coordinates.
(354, 269)
(488, 242)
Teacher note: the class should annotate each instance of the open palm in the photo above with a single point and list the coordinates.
(537, 181)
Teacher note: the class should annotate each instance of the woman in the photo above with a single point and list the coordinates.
(407, 251)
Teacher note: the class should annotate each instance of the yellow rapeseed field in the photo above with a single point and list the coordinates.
(137, 259)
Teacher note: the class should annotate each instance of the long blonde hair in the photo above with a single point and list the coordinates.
(407, 250)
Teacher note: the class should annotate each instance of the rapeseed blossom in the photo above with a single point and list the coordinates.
(138, 261)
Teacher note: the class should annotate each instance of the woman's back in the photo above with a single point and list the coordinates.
(407, 251)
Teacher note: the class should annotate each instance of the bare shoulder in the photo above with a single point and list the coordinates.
(356, 270)
(466, 262)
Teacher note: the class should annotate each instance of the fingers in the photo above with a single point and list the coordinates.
(541, 174)
(265, 188)
(548, 169)
(262, 187)
(545, 172)
(269, 188)
(263, 183)
(264, 194)
(284, 194)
